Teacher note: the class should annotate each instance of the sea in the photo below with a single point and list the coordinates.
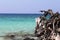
(17, 22)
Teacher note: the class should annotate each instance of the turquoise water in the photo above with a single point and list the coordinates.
(17, 22)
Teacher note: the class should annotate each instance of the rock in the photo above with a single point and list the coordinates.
(28, 39)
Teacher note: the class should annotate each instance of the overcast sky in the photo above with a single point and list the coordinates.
(28, 6)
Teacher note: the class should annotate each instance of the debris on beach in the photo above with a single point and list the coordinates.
(48, 25)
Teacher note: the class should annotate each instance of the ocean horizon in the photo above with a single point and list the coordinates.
(17, 22)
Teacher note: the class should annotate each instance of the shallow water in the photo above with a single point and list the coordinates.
(17, 22)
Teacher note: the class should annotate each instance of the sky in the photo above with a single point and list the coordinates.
(28, 6)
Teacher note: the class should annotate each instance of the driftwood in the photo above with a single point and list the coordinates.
(52, 26)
